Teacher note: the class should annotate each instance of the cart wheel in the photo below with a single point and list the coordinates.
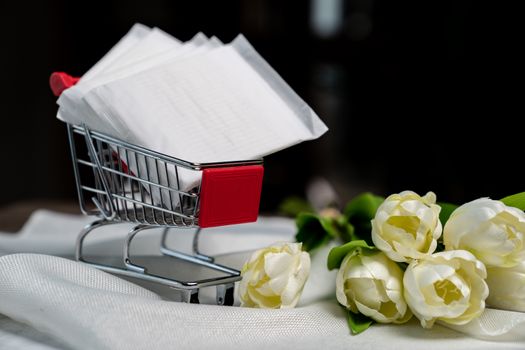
(225, 294)
(194, 299)
(191, 296)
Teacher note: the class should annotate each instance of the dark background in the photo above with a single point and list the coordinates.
(418, 95)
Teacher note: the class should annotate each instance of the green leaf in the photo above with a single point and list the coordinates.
(329, 225)
(337, 254)
(313, 231)
(363, 206)
(346, 230)
(446, 211)
(293, 206)
(358, 322)
(516, 200)
(360, 211)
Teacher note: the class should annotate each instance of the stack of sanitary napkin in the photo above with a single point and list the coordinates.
(202, 101)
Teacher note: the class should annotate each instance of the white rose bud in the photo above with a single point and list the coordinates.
(407, 226)
(507, 287)
(370, 283)
(447, 286)
(274, 277)
(490, 230)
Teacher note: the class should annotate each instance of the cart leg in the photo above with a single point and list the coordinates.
(83, 234)
(197, 259)
(127, 260)
(225, 294)
(190, 296)
(195, 247)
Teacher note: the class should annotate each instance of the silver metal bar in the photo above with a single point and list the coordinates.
(141, 189)
(181, 203)
(131, 186)
(169, 192)
(80, 193)
(197, 259)
(150, 194)
(122, 183)
(113, 183)
(195, 247)
(127, 260)
(91, 150)
(102, 159)
(160, 191)
(83, 234)
(95, 178)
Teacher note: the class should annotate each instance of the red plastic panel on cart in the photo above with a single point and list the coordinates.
(230, 195)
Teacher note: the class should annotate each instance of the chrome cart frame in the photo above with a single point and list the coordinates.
(127, 183)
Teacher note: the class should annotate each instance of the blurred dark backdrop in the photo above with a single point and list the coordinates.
(417, 95)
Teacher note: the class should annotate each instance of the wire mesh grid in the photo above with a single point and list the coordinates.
(130, 183)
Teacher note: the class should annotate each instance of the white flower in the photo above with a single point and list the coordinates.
(447, 286)
(274, 277)
(370, 283)
(507, 287)
(490, 230)
(407, 226)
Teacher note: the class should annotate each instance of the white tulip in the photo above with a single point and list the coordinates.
(490, 230)
(370, 283)
(406, 226)
(447, 286)
(507, 287)
(274, 277)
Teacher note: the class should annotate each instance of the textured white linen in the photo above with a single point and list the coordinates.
(89, 309)
(16, 335)
(55, 234)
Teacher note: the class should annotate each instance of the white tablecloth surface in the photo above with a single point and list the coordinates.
(47, 302)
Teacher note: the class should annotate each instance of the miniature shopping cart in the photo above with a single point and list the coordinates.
(121, 182)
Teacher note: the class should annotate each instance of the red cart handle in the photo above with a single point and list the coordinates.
(59, 81)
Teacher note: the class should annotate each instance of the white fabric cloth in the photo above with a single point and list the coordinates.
(88, 309)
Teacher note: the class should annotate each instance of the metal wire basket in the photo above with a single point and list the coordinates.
(120, 183)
